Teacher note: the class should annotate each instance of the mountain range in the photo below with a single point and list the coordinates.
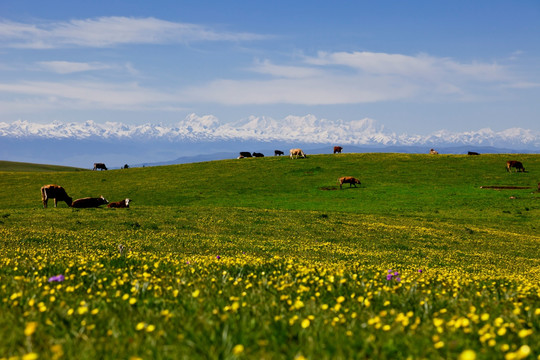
(304, 129)
(197, 135)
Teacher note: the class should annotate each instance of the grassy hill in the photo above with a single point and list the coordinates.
(261, 258)
(400, 185)
(9, 166)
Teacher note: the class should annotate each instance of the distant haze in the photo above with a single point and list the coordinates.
(201, 138)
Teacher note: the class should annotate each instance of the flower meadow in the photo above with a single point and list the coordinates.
(211, 291)
(239, 282)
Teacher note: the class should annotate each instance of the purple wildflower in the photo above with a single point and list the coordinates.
(420, 271)
(57, 278)
(218, 257)
(389, 277)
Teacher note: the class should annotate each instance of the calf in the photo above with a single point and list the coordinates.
(100, 166)
(119, 204)
(514, 164)
(55, 192)
(256, 154)
(278, 153)
(348, 180)
(89, 202)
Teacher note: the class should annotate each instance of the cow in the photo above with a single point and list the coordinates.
(100, 166)
(55, 192)
(256, 154)
(337, 149)
(514, 164)
(348, 180)
(433, 152)
(472, 153)
(126, 166)
(89, 202)
(245, 154)
(120, 204)
(278, 153)
(296, 153)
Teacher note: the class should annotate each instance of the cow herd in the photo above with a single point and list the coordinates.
(58, 193)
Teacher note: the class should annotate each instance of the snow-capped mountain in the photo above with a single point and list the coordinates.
(302, 129)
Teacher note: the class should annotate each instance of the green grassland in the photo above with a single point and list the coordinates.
(268, 259)
(8, 166)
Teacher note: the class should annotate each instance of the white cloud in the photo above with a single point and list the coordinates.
(358, 77)
(323, 90)
(421, 66)
(110, 31)
(268, 68)
(67, 67)
(85, 94)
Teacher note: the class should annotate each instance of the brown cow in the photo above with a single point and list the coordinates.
(337, 149)
(100, 166)
(348, 180)
(433, 152)
(89, 202)
(514, 164)
(119, 204)
(55, 192)
(296, 153)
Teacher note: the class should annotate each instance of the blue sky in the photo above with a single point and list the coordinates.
(413, 66)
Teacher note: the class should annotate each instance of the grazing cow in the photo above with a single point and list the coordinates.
(256, 154)
(472, 153)
(433, 152)
(89, 202)
(296, 153)
(348, 180)
(278, 153)
(55, 192)
(337, 149)
(245, 154)
(100, 166)
(119, 204)
(514, 164)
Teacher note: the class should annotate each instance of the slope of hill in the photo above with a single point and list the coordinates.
(30, 167)
(256, 258)
(445, 186)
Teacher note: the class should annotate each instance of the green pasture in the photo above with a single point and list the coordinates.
(267, 258)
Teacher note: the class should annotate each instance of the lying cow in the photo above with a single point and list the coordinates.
(245, 154)
(100, 166)
(256, 154)
(278, 153)
(55, 192)
(119, 204)
(514, 164)
(337, 149)
(433, 152)
(348, 180)
(472, 153)
(89, 202)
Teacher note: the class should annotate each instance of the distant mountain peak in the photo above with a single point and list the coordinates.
(292, 128)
